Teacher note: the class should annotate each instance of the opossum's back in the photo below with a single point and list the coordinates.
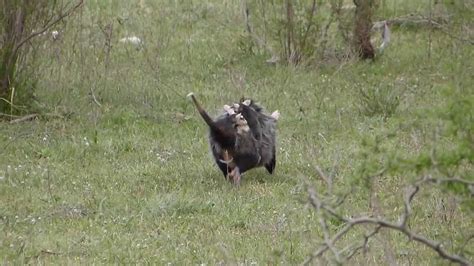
(225, 137)
(267, 144)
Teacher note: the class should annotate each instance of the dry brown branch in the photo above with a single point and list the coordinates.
(379, 223)
(364, 244)
(326, 179)
(94, 98)
(48, 25)
(450, 180)
(420, 21)
(24, 118)
(407, 21)
(317, 205)
(310, 24)
(261, 43)
(9, 115)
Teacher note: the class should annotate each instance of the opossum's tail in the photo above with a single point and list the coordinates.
(209, 121)
(223, 130)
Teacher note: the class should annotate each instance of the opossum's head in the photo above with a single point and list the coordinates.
(240, 123)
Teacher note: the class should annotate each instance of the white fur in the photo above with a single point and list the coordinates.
(229, 110)
(247, 102)
(190, 94)
(132, 39)
(276, 115)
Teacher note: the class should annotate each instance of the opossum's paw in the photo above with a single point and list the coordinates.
(276, 115)
(235, 176)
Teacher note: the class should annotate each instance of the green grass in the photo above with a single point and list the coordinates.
(132, 180)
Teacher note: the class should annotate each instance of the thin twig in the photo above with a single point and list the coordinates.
(94, 98)
(9, 115)
(364, 245)
(24, 118)
(420, 20)
(329, 243)
(451, 180)
(317, 204)
(308, 27)
(408, 199)
(47, 26)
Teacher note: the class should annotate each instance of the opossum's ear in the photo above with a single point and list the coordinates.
(247, 102)
(276, 115)
(229, 110)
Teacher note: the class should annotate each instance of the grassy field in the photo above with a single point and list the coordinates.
(132, 181)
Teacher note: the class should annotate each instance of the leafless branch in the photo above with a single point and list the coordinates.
(410, 19)
(379, 223)
(310, 19)
(94, 98)
(420, 20)
(317, 205)
(408, 199)
(248, 27)
(48, 25)
(364, 244)
(326, 178)
(450, 180)
(24, 118)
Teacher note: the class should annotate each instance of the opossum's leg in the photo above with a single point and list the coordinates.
(223, 167)
(247, 161)
(235, 174)
(271, 165)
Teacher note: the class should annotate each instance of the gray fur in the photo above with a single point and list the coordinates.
(242, 138)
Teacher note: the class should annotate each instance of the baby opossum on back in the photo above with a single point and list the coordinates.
(242, 138)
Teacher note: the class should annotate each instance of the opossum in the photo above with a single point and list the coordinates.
(242, 138)
(245, 154)
(263, 128)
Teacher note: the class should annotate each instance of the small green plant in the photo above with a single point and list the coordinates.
(382, 100)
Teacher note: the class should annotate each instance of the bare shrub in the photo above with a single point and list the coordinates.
(444, 171)
(22, 21)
